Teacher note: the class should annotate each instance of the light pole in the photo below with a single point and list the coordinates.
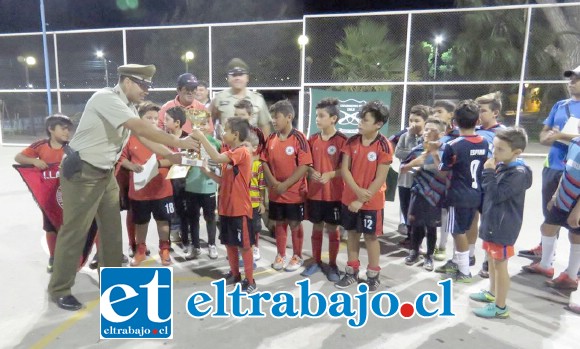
(28, 62)
(438, 41)
(188, 57)
(302, 42)
(101, 56)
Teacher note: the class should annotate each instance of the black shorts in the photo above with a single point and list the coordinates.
(282, 212)
(236, 231)
(161, 209)
(460, 219)
(47, 224)
(550, 181)
(324, 211)
(363, 221)
(557, 216)
(422, 213)
(256, 220)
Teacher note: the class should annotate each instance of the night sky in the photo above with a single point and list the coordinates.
(24, 15)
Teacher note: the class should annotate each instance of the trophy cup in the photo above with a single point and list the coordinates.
(196, 117)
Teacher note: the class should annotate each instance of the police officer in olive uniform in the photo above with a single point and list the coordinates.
(88, 184)
(222, 106)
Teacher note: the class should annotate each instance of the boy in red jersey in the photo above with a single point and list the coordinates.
(286, 160)
(155, 198)
(44, 152)
(365, 164)
(325, 186)
(235, 206)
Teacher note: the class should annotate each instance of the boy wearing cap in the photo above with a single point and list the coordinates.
(222, 107)
(186, 90)
(88, 184)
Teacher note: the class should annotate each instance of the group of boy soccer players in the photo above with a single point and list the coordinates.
(456, 161)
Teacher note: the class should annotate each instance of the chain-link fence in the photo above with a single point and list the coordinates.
(416, 57)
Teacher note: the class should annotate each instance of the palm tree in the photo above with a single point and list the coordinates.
(366, 54)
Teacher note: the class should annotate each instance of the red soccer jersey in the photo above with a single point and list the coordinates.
(43, 151)
(326, 157)
(364, 161)
(283, 158)
(234, 197)
(159, 187)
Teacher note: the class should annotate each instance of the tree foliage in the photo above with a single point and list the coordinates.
(367, 54)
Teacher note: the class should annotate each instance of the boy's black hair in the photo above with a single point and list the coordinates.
(445, 104)
(421, 110)
(242, 126)
(330, 105)
(202, 83)
(378, 110)
(245, 104)
(284, 107)
(177, 114)
(53, 120)
(515, 136)
(146, 107)
(466, 114)
(441, 125)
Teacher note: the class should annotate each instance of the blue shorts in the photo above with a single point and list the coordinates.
(460, 219)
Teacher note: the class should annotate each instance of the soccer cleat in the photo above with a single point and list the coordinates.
(575, 308)
(412, 258)
(448, 268)
(484, 272)
(131, 250)
(232, 279)
(563, 282)
(491, 311)
(536, 268)
(402, 229)
(248, 287)
(186, 249)
(471, 261)
(461, 278)
(333, 274)
(125, 259)
(49, 267)
(139, 256)
(279, 262)
(256, 253)
(351, 277)
(373, 280)
(439, 254)
(311, 269)
(193, 253)
(212, 250)
(294, 264)
(533, 253)
(482, 296)
(428, 263)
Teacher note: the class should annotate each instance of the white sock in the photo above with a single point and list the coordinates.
(548, 249)
(463, 262)
(485, 257)
(574, 261)
(471, 250)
